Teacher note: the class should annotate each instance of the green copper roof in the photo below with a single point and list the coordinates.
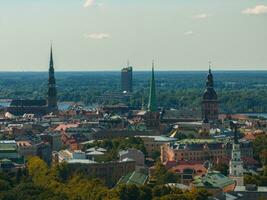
(213, 179)
(199, 141)
(134, 178)
(152, 104)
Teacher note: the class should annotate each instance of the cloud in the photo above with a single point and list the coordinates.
(257, 10)
(202, 16)
(97, 36)
(188, 33)
(88, 3)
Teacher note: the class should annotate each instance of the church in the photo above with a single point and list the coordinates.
(210, 104)
(38, 107)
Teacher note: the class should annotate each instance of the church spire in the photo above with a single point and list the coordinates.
(51, 65)
(152, 104)
(52, 91)
(51, 68)
(210, 82)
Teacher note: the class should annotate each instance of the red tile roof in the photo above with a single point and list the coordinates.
(64, 127)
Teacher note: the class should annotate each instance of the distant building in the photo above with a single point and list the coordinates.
(110, 172)
(7, 165)
(202, 150)
(20, 107)
(62, 156)
(9, 150)
(44, 152)
(214, 182)
(38, 107)
(210, 106)
(188, 170)
(54, 139)
(133, 154)
(236, 164)
(153, 143)
(127, 79)
(78, 154)
(248, 192)
(26, 149)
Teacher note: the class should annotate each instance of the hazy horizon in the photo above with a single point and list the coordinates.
(101, 35)
(142, 70)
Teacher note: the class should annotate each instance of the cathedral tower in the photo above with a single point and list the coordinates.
(210, 100)
(52, 91)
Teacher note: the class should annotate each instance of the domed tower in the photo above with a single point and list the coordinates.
(210, 106)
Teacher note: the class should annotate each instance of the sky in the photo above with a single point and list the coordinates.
(99, 35)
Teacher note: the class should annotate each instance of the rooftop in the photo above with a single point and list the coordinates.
(6, 145)
(161, 138)
(213, 179)
(134, 178)
(81, 161)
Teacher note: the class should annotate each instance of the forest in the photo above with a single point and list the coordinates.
(238, 91)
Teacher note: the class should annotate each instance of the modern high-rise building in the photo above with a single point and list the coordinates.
(210, 107)
(127, 79)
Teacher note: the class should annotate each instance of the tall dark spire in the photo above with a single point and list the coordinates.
(51, 68)
(210, 82)
(51, 58)
(152, 104)
(52, 91)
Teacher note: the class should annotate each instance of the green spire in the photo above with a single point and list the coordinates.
(152, 104)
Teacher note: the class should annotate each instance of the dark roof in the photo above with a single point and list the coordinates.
(27, 103)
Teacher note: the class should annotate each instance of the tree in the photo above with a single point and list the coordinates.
(38, 171)
(250, 180)
(161, 190)
(163, 176)
(223, 168)
(129, 192)
(260, 148)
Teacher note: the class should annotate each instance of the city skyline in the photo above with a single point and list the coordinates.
(102, 35)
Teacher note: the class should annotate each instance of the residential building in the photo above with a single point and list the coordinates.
(133, 154)
(248, 192)
(26, 149)
(153, 143)
(201, 150)
(188, 170)
(214, 182)
(110, 172)
(9, 150)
